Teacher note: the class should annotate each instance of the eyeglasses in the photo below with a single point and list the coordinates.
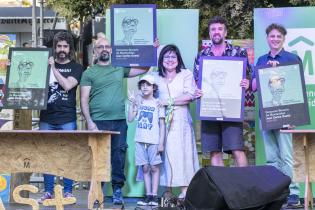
(170, 57)
(102, 47)
(25, 64)
(130, 21)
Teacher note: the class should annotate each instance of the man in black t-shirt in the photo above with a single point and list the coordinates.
(61, 105)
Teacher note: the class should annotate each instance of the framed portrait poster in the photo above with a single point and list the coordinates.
(219, 80)
(133, 30)
(282, 96)
(27, 78)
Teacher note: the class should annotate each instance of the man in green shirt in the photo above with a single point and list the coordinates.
(102, 104)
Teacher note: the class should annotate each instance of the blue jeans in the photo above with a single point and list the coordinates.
(118, 149)
(279, 153)
(49, 179)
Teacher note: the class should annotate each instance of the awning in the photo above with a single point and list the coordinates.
(23, 13)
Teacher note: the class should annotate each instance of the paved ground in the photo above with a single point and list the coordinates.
(130, 204)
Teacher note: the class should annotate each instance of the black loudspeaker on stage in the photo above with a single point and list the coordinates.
(247, 188)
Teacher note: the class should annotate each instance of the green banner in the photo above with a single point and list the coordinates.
(174, 26)
(300, 39)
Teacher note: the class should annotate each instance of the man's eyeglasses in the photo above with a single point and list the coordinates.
(170, 57)
(102, 47)
(25, 64)
(130, 22)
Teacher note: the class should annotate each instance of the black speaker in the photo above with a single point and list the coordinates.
(222, 188)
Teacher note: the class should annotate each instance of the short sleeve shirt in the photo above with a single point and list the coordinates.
(230, 50)
(148, 116)
(61, 104)
(282, 57)
(106, 99)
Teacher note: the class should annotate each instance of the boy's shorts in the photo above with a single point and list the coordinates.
(147, 154)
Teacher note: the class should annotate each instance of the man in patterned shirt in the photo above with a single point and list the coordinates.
(218, 136)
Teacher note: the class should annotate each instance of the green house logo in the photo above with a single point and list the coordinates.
(307, 58)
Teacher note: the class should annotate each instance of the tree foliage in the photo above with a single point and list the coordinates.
(303, 2)
(238, 13)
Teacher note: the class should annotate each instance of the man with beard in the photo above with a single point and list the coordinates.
(217, 136)
(103, 106)
(61, 106)
(278, 145)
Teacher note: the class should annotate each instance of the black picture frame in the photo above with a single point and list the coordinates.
(27, 78)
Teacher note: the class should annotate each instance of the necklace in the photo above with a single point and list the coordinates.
(170, 78)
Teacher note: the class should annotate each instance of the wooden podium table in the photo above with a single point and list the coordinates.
(303, 161)
(78, 155)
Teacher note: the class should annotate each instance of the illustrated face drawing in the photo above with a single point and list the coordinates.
(25, 70)
(218, 79)
(129, 26)
(276, 87)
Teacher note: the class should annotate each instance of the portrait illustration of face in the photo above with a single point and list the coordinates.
(129, 28)
(129, 25)
(218, 78)
(25, 70)
(276, 86)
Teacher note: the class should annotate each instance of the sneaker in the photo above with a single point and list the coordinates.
(144, 202)
(68, 195)
(293, 200)
(46, 195)
(154, 201)
(182, 196)
(117, 197)
(96, 204)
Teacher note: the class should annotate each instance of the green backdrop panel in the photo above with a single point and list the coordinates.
(299, 22)
(174, 26)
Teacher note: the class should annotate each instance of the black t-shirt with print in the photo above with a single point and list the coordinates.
(61, 104)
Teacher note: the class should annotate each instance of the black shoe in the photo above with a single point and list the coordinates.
(293, 201)
(154, 201)
(144, 202)
(96, 204)
(118, 197)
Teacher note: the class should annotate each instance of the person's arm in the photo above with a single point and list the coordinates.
(133, 107)
(260, 62)
(196, 68)
(85, 93)
(189, 91)
(183, 99)
(254, 84)
(66, 83)
(162, 134)
(136, 71)
(132, 112)
(244, 83)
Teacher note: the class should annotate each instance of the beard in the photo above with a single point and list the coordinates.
(104, 56)
(217, 41)
(62, 55)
